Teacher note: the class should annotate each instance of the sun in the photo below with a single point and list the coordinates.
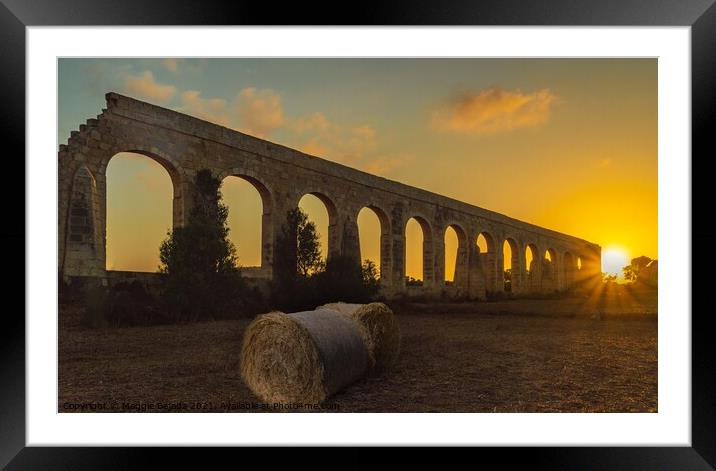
(614, 258)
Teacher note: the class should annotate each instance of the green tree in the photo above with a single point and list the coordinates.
(303, 281)
(345, 279)
(309, 260)
(298, 249)
(631, 271)
(297, 257)
(199, 260)
(371, 275)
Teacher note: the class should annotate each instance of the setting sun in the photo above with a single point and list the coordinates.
(614, 259)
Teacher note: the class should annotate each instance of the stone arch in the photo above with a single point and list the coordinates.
(333, 238)
(267, 220)
(568, 267)
(385, 242)
(549, 270)
(171, 165)
(134, 244)
(427, 252)
(511, 280)
(488, 260)
(83, 238)
(533, 272)
(460, 273)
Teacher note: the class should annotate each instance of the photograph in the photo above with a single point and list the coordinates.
(357, 234)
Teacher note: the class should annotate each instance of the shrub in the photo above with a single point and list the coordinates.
(203, 281)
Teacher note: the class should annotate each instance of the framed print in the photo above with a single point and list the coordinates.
(417, 226)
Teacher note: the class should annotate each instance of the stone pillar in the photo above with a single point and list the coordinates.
(549, 282)
(387, 272)
(490, 271)
(518, 270)
(476, 288)
(84, 249)
(64, 190)
(462, 267)
(533, 284)
(283, 202)
(350, 243)
(559, 280)
(433, 277)
(592, 263)
(396, 239)
(500, 269)
(335, 236)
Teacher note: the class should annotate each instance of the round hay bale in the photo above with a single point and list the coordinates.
(379, 329)
(303, 357)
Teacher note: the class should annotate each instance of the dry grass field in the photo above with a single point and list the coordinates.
(567, 355)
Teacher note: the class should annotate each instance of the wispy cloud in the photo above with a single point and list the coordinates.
(493, 110)
(215, 110)
(259, 111)
(319, 136)
(354, 145)
(171, 64)
(387, 164)
(145, 86)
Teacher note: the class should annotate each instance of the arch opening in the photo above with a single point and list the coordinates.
(249, 204)
(532, 267)
(372, 223)
(484, 243)
(549, 272)
(320, 211)
(140, 210)
(510, 268)
(451, 254)
(487, 260)
(417, 238)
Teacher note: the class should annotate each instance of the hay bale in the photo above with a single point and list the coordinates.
(379, 329)
(302, 357)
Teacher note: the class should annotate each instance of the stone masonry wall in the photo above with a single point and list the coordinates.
(183, 145)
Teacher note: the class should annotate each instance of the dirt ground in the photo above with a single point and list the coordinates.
(568, 355)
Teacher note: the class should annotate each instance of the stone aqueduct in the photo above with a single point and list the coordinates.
(183, 144)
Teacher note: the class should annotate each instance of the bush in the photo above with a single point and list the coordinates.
(131, 304)
(203, 281)
(301, 281)
(95, 299)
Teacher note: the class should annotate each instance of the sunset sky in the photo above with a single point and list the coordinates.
(567, 144)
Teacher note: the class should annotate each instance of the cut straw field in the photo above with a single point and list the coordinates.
(508, 356)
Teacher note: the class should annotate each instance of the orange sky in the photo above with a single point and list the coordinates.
(566, 144)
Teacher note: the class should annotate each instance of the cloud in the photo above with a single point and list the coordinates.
(259, 112)
(354, 145)
(144, 86)
(493, 110)
(172, 64)
(215, 110)
(317, 135)
(386, 165)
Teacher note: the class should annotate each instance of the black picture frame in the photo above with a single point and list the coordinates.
(16, 15)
